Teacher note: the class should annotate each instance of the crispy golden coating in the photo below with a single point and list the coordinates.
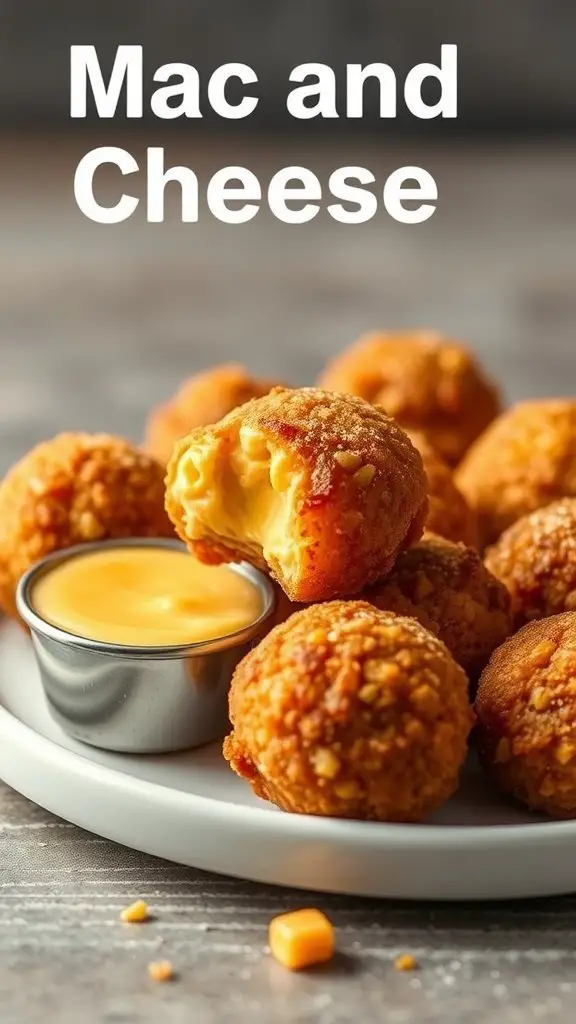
(201, 400)
(351, 712)
(447, 588)
(536, 559)
(526, 709)
(448, 512)
(425, 381)
(320, 489)
(74, 489)
(526, 459)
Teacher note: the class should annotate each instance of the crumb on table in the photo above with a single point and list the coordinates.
(161, 970)
(135, 913)
(405, 962)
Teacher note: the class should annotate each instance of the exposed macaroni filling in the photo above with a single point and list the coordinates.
(246, 495)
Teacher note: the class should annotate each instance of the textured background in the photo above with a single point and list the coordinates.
(97, 322)
(516, 56)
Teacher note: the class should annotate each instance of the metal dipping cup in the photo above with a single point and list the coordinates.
(144, 700)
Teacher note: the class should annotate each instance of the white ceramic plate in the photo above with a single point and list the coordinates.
(191, 809)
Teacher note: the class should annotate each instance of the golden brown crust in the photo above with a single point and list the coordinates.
(73, 489)
(536, 559)
(448, 589)
(356, 486)
(448, 512)
(200, 400)
(348, 711)
(425, 381)
(526, 710)
(526, 459)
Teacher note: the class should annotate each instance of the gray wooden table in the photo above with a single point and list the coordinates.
(97, 323)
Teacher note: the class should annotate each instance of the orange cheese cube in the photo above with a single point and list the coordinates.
(301, 938)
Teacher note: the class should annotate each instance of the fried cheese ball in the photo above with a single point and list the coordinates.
(526, 459)
(448, 512)
(348, 711)
(425, 381)
(536, 559)
(526, 711)
(447, 588)
(321, 490)
(73, 489)
(201, 400)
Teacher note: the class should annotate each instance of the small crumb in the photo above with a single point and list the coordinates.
(325, 763)
(348, 460)
(161, 970)
(368, 693)
(346, 790)
(541, 698)
(564, 752)
(363, 477)
(135, 913)
(405, 962)
(318, 636)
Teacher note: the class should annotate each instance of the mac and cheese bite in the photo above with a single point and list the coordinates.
(321, 490)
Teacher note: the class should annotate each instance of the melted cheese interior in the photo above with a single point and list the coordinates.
(246, 495)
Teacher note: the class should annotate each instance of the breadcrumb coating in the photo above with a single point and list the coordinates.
(202, 399)
(536, 559)
(448, 589)
(448, 512)
(526, 709)
(348, 711)
(427, 382)
(526, 459)
(320, 489)
(74, 489)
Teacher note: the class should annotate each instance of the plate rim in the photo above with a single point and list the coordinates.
(348, 832)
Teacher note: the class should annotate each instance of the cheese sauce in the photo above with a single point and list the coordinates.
(145, 597)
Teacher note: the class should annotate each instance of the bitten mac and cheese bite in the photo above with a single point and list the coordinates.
(320, 489)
